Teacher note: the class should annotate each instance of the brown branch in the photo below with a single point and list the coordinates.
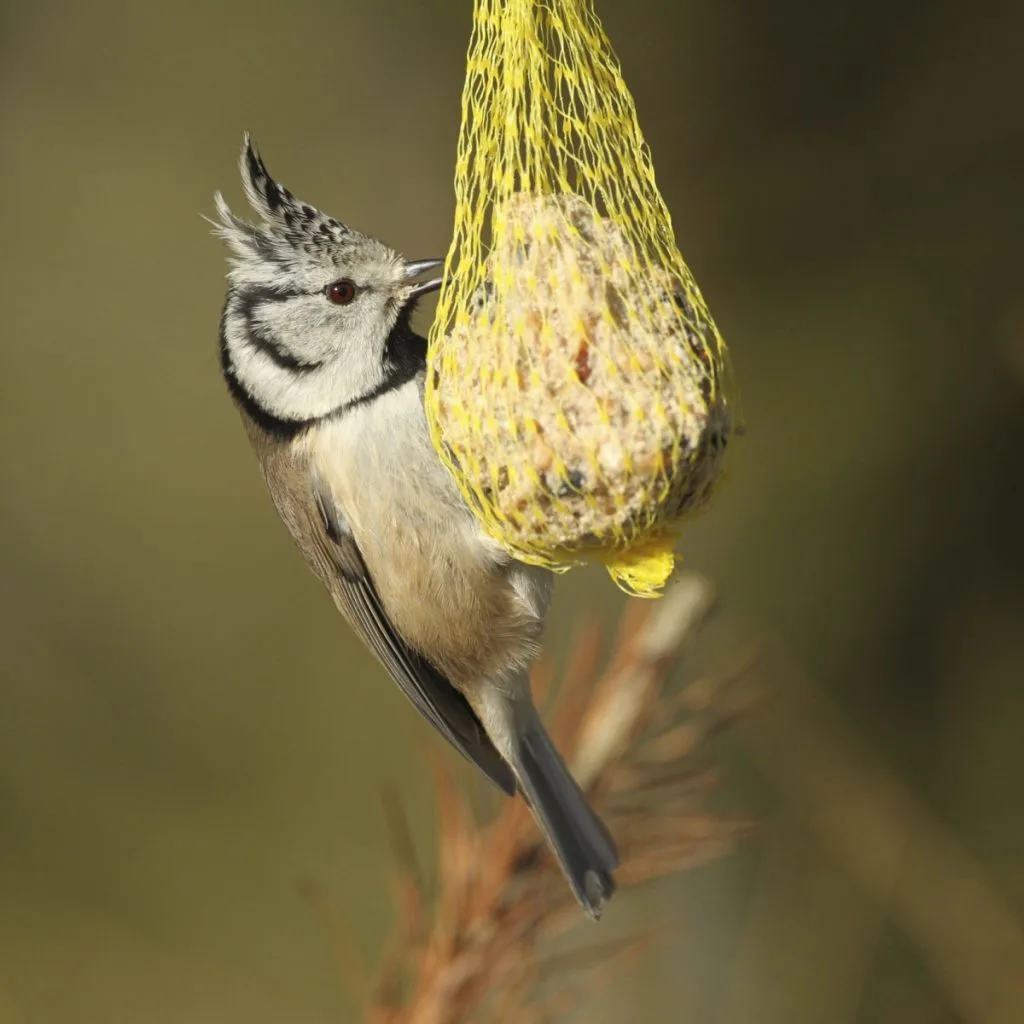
(473, 956)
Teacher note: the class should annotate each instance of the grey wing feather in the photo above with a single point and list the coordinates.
(332, 551)
(435, 698)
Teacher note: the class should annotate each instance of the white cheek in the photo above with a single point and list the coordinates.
(348, 370)
(305, 331)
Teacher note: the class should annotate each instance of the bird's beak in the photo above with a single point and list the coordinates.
(414, 268)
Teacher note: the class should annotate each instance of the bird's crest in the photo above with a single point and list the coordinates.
(285, 224)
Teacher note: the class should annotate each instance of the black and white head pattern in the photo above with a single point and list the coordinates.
(312, 307)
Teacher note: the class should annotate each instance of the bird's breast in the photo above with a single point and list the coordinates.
(449, 590)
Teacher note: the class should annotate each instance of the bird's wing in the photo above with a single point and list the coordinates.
(320, 529)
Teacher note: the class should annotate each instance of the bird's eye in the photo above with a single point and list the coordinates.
(342, 292)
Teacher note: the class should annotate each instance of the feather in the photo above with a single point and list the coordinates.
(321, 531)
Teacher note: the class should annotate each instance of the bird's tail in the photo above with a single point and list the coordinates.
(585, 849)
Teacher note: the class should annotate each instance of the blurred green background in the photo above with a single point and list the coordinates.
(187, 730)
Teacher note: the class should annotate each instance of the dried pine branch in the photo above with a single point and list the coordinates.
(470, 954)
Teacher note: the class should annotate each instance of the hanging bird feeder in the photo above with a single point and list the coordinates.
(577, 386)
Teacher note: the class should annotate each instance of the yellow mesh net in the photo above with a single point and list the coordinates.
(577, 383)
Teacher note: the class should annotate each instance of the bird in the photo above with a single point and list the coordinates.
(321, 360)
